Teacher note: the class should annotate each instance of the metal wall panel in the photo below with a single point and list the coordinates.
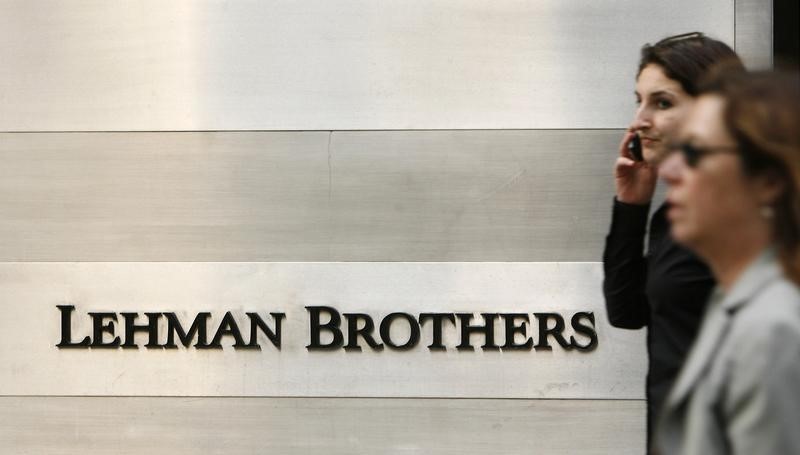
(31, 327)
(753, 29)
(306, 196)
(237, 426)
(328, 65)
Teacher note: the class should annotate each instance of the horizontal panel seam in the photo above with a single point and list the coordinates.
(304, 131)
(299, 262)
(325, 397)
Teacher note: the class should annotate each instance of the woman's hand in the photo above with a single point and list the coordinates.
(635, 180)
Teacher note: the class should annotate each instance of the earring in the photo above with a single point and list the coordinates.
(767, 212)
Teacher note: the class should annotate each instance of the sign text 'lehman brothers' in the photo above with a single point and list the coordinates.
(349, 331)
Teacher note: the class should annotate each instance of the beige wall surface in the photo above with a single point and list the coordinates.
(527, 195)
(386, 142)
(336, 426)
(331, 65)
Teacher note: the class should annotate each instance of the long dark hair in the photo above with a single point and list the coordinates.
(686, 58)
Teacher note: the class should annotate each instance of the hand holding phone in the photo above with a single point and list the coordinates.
(635, 148)
(634, 178)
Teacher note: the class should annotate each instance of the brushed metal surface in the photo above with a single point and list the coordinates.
(164, 196)
(754, 33)
(306, 196)
(327, 65)
(238, 426)
(31, 327)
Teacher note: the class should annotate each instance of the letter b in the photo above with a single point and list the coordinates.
(332, 326)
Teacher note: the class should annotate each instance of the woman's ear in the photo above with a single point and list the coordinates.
(769, 186)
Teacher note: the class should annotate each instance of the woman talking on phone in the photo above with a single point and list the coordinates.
(734, 196)
(666, 289)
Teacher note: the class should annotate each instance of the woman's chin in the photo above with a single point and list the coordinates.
(681, 233)
(653, 154)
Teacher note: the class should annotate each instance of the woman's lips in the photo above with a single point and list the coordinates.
(647, 141)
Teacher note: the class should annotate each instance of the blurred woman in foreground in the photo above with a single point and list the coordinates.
(734, 197)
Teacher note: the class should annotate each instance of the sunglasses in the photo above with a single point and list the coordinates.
(692, 154)
(681, 37)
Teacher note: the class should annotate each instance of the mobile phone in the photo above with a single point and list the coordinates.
(635, 147)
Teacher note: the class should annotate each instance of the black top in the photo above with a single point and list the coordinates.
(666, 290)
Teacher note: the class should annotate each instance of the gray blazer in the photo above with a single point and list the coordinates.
(739, 390)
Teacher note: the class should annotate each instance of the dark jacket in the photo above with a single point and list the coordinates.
(665, 290)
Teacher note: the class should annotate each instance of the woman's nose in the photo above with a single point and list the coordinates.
(642, 119)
